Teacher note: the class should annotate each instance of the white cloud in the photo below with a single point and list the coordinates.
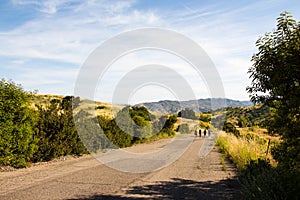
(68, 31)
(47, 6)
(71, 37)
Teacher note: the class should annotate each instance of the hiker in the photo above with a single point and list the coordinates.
(195, 133)
(204, 132)
(200, 132)
(208, 132)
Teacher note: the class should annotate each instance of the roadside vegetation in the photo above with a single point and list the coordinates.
(264, 141)
(36, 128)
(246, 148)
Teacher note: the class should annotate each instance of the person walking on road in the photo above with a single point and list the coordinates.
(200, 132)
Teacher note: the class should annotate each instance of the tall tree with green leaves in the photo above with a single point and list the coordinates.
(17, 121)
(275, 75)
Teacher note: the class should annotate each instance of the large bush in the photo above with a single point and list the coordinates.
(17, 120)
(56, 132)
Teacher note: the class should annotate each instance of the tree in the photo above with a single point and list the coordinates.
(183, 128)
(119, 131)
(56, 132)
(142, 123)
(168, 127)
(90, 134)
(205, 117)
(242, 122)
(187, 113)
(17, 120)
(275, 75)
(230, 128)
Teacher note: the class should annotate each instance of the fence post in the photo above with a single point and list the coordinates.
(268, 147)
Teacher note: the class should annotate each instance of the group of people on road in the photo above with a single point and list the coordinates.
(205, 132)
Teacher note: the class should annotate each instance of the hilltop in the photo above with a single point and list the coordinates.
(162, 107)
(200, 105)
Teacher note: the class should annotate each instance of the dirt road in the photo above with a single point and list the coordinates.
(86, 178)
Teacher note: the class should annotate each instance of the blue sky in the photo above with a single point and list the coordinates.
(45, 43)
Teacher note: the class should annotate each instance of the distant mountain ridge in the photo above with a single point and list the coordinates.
(200, 105)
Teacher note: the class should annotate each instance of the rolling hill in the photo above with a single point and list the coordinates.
(200, 105)
(163, 107)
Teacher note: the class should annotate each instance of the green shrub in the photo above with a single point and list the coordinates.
(119, 131)
(187, 113)
(242, 122)
(230, 128)
(90, 134)
(56, 131)
(168, 127)
(260, 180)
(17, 120)
(205, 117)
(183, 128)
(100, 107)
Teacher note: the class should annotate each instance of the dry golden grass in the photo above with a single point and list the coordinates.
(101, 109)
(244, 149)
(259, 132)
(44, 99)
(96, 108)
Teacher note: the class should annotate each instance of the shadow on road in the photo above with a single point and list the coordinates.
(179, 189)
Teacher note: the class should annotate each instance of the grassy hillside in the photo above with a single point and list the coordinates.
(100, 108)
